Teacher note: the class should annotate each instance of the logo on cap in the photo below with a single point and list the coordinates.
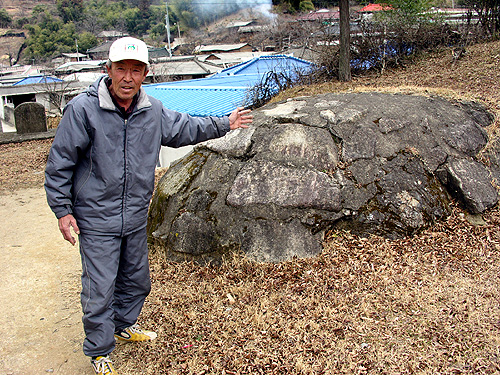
(130, 47)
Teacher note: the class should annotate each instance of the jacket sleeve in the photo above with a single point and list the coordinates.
(71, 140)
(181, 129)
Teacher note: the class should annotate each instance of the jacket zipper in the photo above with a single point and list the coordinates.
(125, 167)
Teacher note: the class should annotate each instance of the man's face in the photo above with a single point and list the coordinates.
(126, 79)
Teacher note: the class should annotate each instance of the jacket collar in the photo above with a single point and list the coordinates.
(105, 101)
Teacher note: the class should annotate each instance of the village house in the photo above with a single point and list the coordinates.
(178, 68)
(222, 48)
(322, 15)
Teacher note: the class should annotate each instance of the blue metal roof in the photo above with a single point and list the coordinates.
(221, 93)
(200, 101)
(36, 79)
(215, 96)
(264, 64)
(245, 80)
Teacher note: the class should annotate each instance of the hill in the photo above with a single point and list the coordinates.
(473, 77)
(23, 8)
(10, 46)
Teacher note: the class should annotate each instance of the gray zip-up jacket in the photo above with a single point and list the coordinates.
(101, 167)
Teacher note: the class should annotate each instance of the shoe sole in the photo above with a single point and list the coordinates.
(151, 335)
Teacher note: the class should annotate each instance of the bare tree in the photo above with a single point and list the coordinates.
(56, 93)
(91, 23)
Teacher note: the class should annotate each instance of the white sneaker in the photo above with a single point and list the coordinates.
(102, 366)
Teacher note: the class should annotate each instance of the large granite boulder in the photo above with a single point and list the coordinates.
(367, 162)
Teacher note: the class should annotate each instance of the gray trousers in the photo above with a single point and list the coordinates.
(115, 283)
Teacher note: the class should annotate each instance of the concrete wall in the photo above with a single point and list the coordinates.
(8, 120)
(43, 99)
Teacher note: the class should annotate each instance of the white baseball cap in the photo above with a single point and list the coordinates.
(129, 48)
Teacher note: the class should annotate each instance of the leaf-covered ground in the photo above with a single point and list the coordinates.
(429, 304)
(422, 305)
(23, 164)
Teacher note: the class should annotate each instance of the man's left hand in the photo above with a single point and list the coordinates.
(239, 118)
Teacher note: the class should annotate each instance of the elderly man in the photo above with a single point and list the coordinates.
(99, 181)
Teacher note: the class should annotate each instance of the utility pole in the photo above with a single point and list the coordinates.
(345, 42)
(167, 26)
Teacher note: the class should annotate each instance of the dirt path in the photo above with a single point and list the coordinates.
(40, 316)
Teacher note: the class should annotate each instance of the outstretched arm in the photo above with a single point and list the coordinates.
(181, 129)
(239, 118)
